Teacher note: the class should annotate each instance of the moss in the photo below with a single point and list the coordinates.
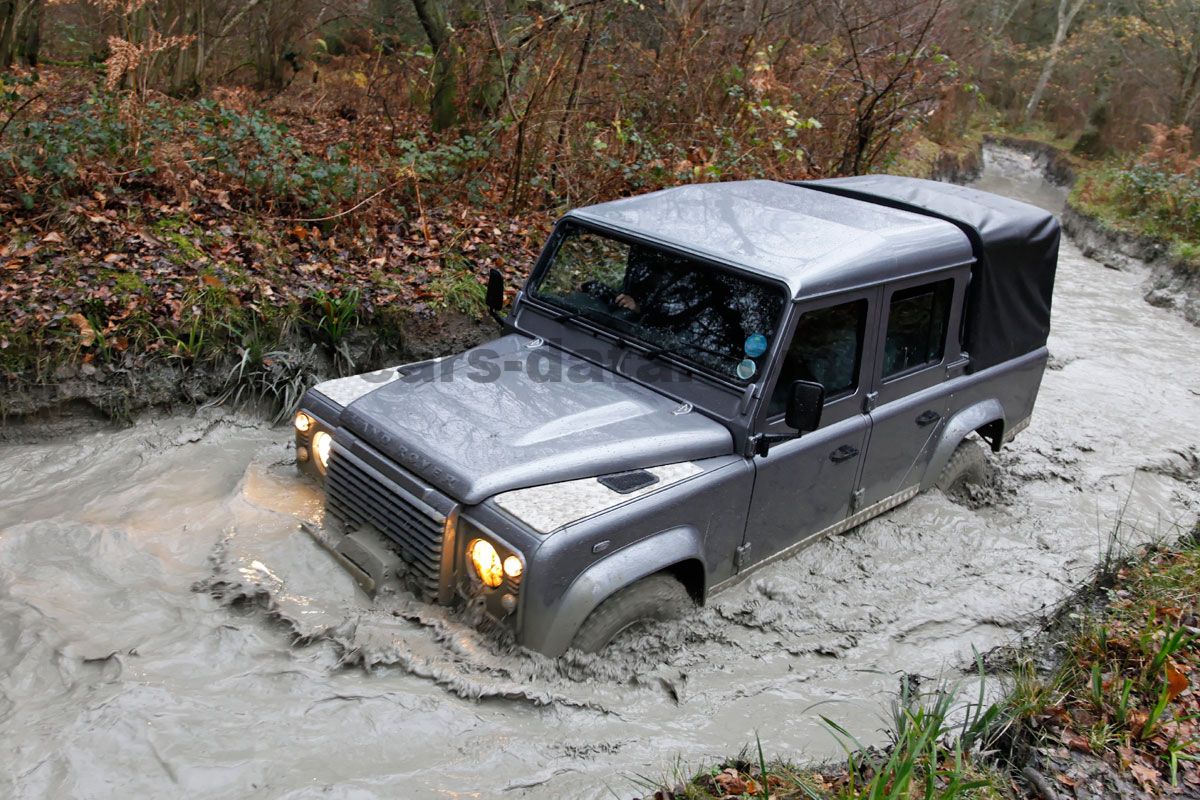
(184, 250)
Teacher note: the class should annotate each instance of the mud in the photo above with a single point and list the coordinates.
(167, 629)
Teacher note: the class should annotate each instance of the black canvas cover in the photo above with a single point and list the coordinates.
(1016, 253)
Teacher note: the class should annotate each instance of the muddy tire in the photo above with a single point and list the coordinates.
(654, 599)
(967, 467)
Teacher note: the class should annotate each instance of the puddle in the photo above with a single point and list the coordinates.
(166, 628)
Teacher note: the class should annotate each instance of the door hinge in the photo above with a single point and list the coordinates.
(856, 499)
(741, 557)
(870, 401)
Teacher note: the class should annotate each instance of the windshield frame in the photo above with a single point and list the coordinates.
(677, 358)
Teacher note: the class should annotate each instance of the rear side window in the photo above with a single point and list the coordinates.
(916, 328)
(827, 349)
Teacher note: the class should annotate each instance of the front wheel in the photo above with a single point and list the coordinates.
(657, 598)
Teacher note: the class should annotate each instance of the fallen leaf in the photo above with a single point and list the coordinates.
(211, 280)
(1146, 777)
(1076, 742)
(1177, 682)
(53, 237)
(87, 334)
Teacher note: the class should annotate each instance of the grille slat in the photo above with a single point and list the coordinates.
(363, 497)
(357, 497)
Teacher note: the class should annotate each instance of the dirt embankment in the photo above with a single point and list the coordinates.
(79, 395)
(1172, 282)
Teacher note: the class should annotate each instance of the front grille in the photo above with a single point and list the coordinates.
(357, 495)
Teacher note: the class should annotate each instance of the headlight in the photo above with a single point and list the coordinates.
(303, 422)
(322, 444)
(513, 567)
(486, 561)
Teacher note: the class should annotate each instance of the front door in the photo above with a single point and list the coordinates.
(910, 402)
(804, 486)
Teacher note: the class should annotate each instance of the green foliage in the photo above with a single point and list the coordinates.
(49, 158)
(336, 315)
(257, 152)
(438, 161)
(1148, 199)
(1163, 200)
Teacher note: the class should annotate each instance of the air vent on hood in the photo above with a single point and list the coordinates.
(627, 482)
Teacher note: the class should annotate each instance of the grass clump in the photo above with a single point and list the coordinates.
(1124, 690)
(934, 751)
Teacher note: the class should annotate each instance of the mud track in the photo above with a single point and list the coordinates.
(166, 630)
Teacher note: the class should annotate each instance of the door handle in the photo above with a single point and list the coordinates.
(843, 453)
(928, 418)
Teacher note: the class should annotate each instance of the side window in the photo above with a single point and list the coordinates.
(826, 348)
(916, 328)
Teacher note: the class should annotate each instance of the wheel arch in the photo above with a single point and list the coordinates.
(985, 418)
(676, 550)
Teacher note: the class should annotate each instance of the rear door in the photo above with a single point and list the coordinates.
(804, 486)
(909, 403)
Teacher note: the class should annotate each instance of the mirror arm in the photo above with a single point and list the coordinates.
(502, 321)
(762, 442)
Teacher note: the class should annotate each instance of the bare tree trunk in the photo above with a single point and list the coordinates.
(29, 33)
(585, 52)
(20, 32)
(443, 110)
(1067, 12)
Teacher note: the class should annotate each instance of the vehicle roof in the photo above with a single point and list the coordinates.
(812, 240)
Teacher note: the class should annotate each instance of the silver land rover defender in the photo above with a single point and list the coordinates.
(691, 384)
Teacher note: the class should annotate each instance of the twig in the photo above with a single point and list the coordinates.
(350, 210)
(18, 110)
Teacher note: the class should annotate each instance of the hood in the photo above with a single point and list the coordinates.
(506, 415)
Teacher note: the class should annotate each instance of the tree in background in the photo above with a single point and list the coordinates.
(20, 32)
(1170, 31)
(1066, 12)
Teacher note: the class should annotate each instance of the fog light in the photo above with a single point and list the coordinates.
(302, 454)
(322, 444)
(303, 422)
(486, 561)
(508, 603)
(513, 567)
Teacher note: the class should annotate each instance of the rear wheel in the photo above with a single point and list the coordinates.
(654, 599)
(967, 467)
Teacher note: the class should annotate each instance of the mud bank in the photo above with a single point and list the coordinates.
(78, 396)
(167, 629)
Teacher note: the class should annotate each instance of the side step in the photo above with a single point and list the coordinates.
(364, 553)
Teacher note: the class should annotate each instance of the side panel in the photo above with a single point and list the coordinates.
(904, 433)
(804, 486)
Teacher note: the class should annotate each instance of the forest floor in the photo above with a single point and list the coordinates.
(226, 248)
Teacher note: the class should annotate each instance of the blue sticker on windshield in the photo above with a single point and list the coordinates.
(756, 345)
(746, 369)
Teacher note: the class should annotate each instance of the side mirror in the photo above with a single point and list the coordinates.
(804, 402)
(495, 291)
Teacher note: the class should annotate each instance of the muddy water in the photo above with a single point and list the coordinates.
(165, 628)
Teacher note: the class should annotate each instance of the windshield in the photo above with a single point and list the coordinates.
(722, 321)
